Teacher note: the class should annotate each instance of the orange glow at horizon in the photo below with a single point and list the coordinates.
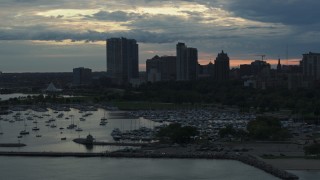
(238, 62)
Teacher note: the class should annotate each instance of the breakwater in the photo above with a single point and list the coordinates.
(246, 159)
(100, 143)
(12, 145)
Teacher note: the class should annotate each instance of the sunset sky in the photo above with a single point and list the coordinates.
(56, 36)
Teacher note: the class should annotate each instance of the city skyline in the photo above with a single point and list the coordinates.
(41, 36)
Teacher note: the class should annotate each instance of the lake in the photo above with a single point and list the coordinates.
(24, 168)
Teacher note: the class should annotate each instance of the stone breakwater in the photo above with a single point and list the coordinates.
(246, 159)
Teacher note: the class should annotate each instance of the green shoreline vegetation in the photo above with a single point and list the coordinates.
(301, 103)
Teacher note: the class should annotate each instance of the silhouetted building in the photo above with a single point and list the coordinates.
(186, 63)
(206, 70)
(221, 67)
(161, 68)
(245, 70)
(122, 59)
(260, 67)
(82, 76)
(279, 67)
(311, 65)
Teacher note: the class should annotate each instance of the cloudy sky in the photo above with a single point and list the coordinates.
(55, 36)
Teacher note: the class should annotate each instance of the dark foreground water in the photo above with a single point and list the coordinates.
(25, 168)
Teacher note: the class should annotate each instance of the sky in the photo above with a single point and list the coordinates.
(59, 35)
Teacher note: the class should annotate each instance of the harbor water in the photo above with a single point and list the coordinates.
(50, 139)
(24, 168)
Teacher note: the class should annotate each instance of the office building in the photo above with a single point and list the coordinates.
(311, 65)
(82, 76)
(222, 67)
(187, 62)
(122, 60)
(161, 68)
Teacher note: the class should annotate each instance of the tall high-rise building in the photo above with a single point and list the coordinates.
(122, 59)
(187, 62)
(311, 65)
(221, 67)
(82, 76)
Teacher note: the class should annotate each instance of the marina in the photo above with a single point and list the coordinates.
(49, 130)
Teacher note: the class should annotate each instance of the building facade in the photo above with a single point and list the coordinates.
(161, 68)
(82, 76)
(122, 59)
(186, 63)
(222, 67)
(311, 66)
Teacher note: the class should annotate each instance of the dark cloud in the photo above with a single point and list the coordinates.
(291, 12)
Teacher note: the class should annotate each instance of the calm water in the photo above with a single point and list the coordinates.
(4, 97)
(307, 175)
(23, 168)
(51, 137)
(14, 95)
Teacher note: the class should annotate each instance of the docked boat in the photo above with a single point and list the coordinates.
(29, 118)
(38, 135)
(79, 129)
(102, 123)
(24, 132)
(35, 129)
(63, 138)
(71, 126)
(53, 126)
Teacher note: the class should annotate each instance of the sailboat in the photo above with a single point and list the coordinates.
(72, 125)
(24, 132)
(36, 128)
(1, 132)
(104, 118)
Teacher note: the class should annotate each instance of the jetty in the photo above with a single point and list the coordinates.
(84, 141)
(12, 145)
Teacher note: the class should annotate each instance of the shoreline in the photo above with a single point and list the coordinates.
(246, 159)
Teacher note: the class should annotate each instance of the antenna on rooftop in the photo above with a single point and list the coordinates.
(287, 54)
(262, 56)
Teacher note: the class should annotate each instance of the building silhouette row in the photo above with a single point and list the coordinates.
(123, 67)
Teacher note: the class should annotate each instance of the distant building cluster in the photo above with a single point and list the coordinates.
(122, 56)
(185, 67)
